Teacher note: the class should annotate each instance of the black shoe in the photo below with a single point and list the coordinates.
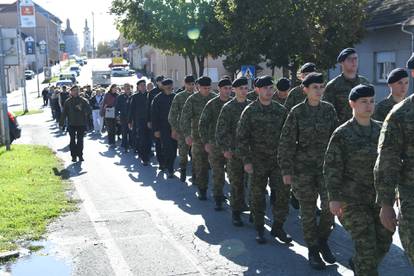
(236, 219)
(314, 258)
(293, 201)
(219, 203)
(73, 158)
(202, 195)
(81, 158)
(351, 264)
(278, 232)
(260, 238)
(183, 175)
(326, 252)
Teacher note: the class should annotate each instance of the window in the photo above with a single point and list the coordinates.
(385, 63)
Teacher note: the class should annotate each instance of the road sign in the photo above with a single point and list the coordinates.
(11, 53)
(248, 71)
(48, 72)
(42, 46)
(30, 46)
(27, 14)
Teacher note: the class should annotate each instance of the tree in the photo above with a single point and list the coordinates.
(288, 33)
(103, 49)
(187, 28)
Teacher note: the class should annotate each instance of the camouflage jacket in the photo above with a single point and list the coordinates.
(305, 136)
(227, 124)
(258, 131)
(349, 161)
(208, 120)
(296, 96)
(190, 116)
(395, 163)
(383, 107)
(176, 108)
(337, 93)
(278, 99)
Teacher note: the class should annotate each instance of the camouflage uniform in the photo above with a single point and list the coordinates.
(383, 107)
(337, 92)
(296, 96)
(226, 140)
(190, 117)
(278, 99)
(174, 120)
(348, 166)
(258, 135)
(252, 96)
(303, 142)
(394, 168)
(207, 130)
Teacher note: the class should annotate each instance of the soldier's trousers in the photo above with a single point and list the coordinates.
(306, 188)
(200, 163)
(217, 163)
(183, 150)
(371, 240)
(143, 139)
(169, 148)
(406, 228)
(266, 169)
(237, 178)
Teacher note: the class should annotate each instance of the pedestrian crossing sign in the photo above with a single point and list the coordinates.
(248, 71)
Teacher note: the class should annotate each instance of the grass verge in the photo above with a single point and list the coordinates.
(30, 112)
(32, 193)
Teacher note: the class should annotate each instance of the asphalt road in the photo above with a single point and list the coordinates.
(134, 221)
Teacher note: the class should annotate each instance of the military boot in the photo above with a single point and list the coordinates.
(236, 217)
(314, 258)
(326, 252)
(183, 175)
(278, 232)
(260, 238)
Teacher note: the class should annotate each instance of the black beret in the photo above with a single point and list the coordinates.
(264, 81)
(410, 62)
(167, 82)
(141, 81)
(345, 53)
(189, 79)
(397, 74)
(312, 78)
(224, 82)
(308, 67)
(240, 81)
(159, 78)
(283, 84)
(204, 81)
(361, 91)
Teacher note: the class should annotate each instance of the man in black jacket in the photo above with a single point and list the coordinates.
(121, 110)
(151, 95)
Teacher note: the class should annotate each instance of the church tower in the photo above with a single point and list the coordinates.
(87, 44)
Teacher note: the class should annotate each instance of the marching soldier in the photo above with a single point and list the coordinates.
(151, 95)
(258, 135)
(348, 173)
(207, 130)
(174, 120)
(283, 86)
(398, 83)
(226, 140)
(160, 108)
(296, 95)
(190, 117)
(394, 169)
(337, 90)
(303, 142)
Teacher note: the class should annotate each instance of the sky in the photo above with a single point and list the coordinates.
(79, 10)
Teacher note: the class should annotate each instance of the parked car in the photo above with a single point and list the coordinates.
(29, 74)
(66, 82)
(75, 68)
(119, 72)
(101, 78)
(15, 130)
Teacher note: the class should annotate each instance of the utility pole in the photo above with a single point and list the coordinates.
(37, 63)
(21, 62)
(93, 35)
(3, 98)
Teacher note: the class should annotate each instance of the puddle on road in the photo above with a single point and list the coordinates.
(41, 262)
